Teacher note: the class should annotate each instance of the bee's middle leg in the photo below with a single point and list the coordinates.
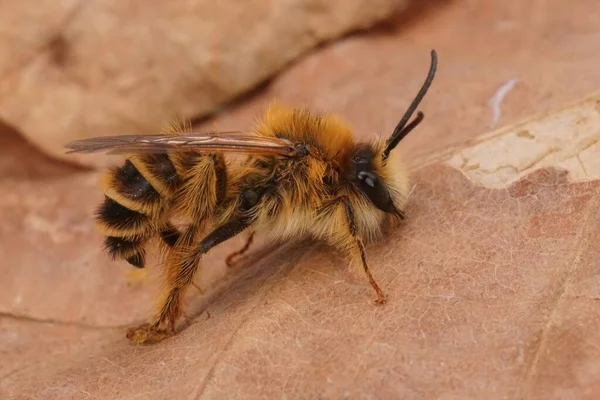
(233, 257)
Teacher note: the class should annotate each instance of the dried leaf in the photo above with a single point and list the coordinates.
(489, 285)
(76, 69)
(493, 277)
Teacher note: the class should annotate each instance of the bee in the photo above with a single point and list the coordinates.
(300, 174)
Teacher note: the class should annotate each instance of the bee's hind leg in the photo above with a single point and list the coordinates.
(176, 242)
(180, 277)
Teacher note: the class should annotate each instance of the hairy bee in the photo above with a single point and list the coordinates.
(303, 174)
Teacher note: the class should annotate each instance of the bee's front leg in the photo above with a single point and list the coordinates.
(381, 297)
(355, 246)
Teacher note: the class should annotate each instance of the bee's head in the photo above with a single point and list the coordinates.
(386, 186)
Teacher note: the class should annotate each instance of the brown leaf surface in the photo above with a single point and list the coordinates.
(81, 68)
(493, 284)
(493, 293)
(550, 47)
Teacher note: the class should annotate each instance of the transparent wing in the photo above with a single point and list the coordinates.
(192, 141)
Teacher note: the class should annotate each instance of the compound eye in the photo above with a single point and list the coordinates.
(375, 191)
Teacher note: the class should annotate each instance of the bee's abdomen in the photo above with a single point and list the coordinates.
(136, 198)
(118, 220)
(129, 188)
(131, 250)
(132, 184)
(159, 171)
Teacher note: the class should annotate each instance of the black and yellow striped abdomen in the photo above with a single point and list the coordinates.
(143, 193)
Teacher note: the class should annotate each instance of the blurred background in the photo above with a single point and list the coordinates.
(72, 69)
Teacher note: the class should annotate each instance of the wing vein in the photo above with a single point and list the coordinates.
(233, 141)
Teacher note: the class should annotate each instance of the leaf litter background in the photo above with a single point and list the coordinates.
(88, 67)
(493, 292)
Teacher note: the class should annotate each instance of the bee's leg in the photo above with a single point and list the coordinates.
(230, 260)
(202, 185)
(198, 288)
(381, 297)
(170, 235)
(357, 250)
(180, 278)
